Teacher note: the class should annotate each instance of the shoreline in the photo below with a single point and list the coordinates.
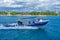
(29, 15)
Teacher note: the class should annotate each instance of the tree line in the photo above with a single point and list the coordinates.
(30, 13)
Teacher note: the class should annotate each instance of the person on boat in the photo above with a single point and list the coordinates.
(20, 22)
(39, 20)
(30, 22)
(33, 22)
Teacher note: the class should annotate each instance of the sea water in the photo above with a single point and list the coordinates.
(51, 30)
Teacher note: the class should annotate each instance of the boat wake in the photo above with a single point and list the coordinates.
(18, 27)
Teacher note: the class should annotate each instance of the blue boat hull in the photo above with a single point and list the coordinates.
(38, 24)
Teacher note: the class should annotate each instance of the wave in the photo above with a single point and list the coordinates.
(17, 27)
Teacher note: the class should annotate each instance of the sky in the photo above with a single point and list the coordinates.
(29, 5)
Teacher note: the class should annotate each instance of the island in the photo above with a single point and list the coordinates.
(43, 13)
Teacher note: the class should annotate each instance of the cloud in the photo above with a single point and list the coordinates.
(14, 6)
(9, 3)
(28, 5)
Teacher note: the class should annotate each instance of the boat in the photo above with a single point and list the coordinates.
(37, 24)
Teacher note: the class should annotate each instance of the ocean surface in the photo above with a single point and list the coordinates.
(51, 30)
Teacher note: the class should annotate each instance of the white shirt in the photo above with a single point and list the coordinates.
(40, 20)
